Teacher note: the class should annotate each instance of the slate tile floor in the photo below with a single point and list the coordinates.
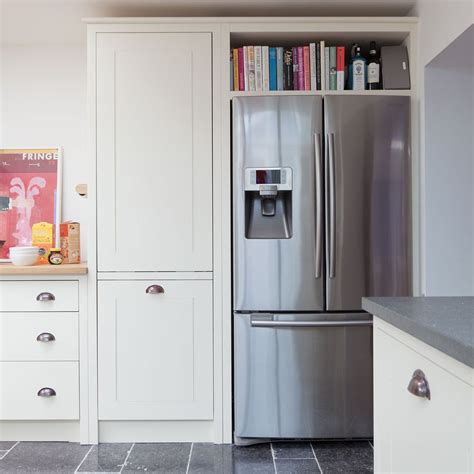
(186, 458)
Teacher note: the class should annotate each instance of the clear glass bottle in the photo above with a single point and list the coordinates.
(357, 69)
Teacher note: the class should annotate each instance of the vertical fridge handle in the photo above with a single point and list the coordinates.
(332, 207)
(319, 204)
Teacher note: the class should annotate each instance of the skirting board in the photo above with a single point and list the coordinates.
(155, 431)
(39, 431)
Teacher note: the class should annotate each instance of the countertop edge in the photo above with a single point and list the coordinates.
(8, 269)
(445, 344)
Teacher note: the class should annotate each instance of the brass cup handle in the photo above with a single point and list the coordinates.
(45, 337)
(46, 392)
(419, 386)
(154, 289)
(45, 296)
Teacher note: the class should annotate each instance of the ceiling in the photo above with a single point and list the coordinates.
(236, 7)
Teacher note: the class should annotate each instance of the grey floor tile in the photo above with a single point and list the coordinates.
(211, 458)
(106, 457)
(347, 457)
(6, 445)
(292, 450)
(296, 466)
(252, 459)
(169, 458)
(44, 458)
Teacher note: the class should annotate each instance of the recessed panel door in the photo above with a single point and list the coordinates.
(154, 152)
(155, 350)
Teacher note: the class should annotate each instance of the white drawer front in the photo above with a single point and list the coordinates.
(39, 296)
(21, 381)
(58, 336)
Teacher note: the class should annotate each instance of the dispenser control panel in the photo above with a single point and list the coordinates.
(282, 178)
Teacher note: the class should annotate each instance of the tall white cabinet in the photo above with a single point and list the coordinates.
(154, 232)
(154, 152)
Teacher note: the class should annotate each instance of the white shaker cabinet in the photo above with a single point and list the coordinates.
(414, 433)
(154, 151)
(155, 350)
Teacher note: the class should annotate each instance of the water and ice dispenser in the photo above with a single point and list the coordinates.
(268, 213)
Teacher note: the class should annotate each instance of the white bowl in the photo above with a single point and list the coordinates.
(24, 260)
(23, 250)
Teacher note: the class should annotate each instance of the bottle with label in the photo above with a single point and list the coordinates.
(373, 68)
(357, 70)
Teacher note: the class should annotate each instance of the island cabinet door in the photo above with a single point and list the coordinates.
(155, 350)
(154, 151)
(413, 433)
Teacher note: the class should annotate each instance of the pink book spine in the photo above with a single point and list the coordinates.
(300, 68)
(307, 69)
(241, 70)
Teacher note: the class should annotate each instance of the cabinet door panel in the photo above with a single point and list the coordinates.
(154, 152)
(155, 351)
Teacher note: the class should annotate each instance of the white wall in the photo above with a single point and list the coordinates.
(441, 22)
(43, 91)
(449, 169)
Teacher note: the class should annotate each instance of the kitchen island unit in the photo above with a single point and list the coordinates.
(423, 383)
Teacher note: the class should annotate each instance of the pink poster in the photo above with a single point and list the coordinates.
(29, 193)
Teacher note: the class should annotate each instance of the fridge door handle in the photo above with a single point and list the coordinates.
(332, 207)
(262, 322)
(319, 204)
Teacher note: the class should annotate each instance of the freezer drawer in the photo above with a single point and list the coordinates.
(303, 375)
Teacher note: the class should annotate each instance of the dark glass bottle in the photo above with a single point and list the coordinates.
(373, 68)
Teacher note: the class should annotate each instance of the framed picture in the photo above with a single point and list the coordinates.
(30, 192)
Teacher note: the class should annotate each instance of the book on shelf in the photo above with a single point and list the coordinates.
(231, 62)
(251, 62)
(333, 68)
(313, 67)
(300, 68)
(306, 68)
(241, 70)
(340, 59)
(279, 54)
(235, 72)
(272, 68)
(257, 50)
(246, 69)
(294, 52)
(287, 69)
(326, 68)
(265, 69)
(322, 72)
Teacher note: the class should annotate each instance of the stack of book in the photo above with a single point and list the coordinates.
(301, 68)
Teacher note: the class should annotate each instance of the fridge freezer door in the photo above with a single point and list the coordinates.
(368, 215)
(303, 375)
(284, 271)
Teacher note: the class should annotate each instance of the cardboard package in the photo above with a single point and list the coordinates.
(70, 242)
(42, 236)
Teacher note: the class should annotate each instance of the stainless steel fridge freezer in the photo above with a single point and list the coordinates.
(321, 203)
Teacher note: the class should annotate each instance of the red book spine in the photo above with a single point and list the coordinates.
(300, 68)
(307, 69)
(340, 58)
(241, 70)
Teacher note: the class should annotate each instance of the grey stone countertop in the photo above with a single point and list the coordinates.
(445, 323)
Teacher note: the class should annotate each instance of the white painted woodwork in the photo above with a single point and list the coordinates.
(154, 152)
(413, 434)
(21, 382)
(15, 296)
(155, 350)
(19, 331)
(225, 32)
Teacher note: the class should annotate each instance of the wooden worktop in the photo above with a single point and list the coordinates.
(63, 269)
